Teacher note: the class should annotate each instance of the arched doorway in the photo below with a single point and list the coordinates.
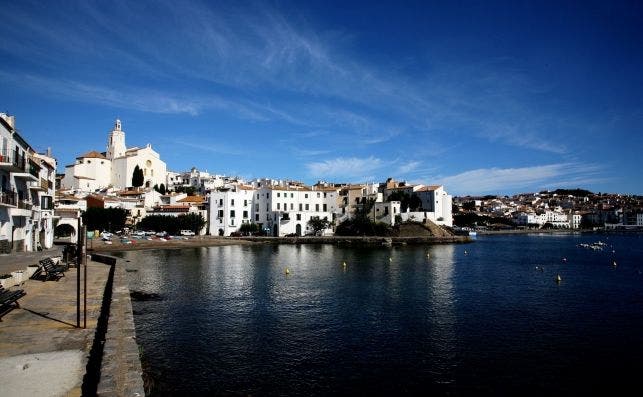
(298, 229)
(65, 231)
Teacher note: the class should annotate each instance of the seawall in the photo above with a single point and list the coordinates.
(120, 365)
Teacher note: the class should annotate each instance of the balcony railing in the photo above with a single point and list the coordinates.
(8, 198)
(34, 169)
(14, 159)
(24, 205)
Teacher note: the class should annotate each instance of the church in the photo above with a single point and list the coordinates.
(114, 168)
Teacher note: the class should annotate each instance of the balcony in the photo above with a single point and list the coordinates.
(8, 199)
(30, 171)
(12, 161)
(43, 185)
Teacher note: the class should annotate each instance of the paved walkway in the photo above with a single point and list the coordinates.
(20, 260)
(42, 353)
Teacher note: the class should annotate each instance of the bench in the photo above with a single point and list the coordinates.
(50, 270)
(7, 298)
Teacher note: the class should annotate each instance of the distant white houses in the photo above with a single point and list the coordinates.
(115, 167)
(282, 208)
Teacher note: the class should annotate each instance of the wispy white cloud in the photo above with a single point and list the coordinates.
(218, 148)
(350, 167)
(300, 152)
(404, 169)
(497, 180)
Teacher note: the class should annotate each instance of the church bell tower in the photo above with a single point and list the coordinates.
(116, 142)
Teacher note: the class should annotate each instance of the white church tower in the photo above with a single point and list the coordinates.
(116, 142)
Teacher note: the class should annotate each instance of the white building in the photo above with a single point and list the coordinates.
(230, 208)
(436, 203)
(115, 167)
(277, 209)
(27, 182)
(574, 220)
(527, 218)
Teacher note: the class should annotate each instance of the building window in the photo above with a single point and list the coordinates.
(298, 217)
(325, 207)
(257, 217)
(245, 203)
(307, 207)
(301, 207)
(231, 213)
(324, 195)
(232, 221)
(292, 195)
(306, 195)
(292, 206)
(89, 161)
(278, 194)
(232, 202)
(318, 195)
(278, 206)
(245, 214)
(257, 196)
(257, 207)
(317, 207)
(220, 213)
(221, 202)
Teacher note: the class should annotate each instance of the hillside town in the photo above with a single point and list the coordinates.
(37, 204)
(559, 209)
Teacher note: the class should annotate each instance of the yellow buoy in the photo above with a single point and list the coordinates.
(287, 271)
(559, 279)
(390, 259)
(614, 263)
(344, 264)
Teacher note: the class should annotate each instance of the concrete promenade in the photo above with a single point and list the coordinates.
(43, 353)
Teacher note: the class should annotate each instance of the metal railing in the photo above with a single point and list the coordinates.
(14, 158)
(9, 198)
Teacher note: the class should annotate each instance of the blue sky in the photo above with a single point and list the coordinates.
(483, 97)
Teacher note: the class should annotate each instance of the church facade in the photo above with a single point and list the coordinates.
(115, 167)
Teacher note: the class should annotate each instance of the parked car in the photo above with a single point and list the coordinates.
(187, 233)
(161, 234)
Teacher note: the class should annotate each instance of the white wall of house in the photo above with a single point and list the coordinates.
(229, 209)
(87, 174)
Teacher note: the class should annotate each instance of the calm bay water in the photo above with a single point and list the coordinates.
(467, 320)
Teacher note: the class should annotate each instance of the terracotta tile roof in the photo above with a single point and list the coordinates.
(191, 199)
(428, 188)
(129, 193)
(92, 155)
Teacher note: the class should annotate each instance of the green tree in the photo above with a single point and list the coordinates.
(249, 228)
(109, 219)
(172, 224)
(318, 224)
(137, 177)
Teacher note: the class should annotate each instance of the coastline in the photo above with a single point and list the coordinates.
(208, 241)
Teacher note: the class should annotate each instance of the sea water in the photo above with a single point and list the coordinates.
(488, 318)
